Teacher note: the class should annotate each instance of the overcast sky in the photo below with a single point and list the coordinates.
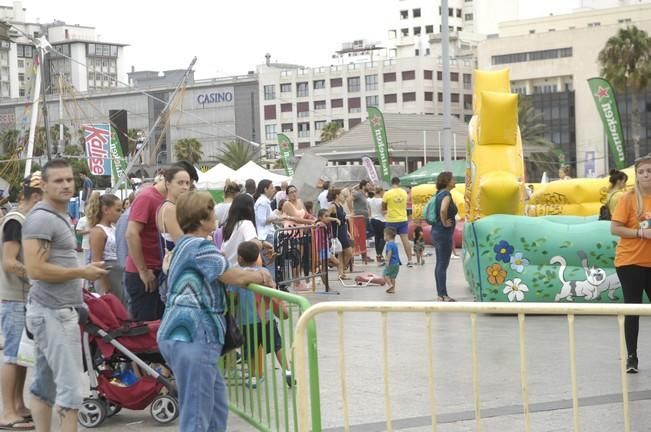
(232, 36)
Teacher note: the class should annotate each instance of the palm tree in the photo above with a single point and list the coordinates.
(330, 131)
(188, 149)
(55, 133)
(532, 133)
(625, 62)
(236, 154)
(10, 141)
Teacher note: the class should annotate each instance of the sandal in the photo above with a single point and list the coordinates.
(448, 299)
(439, 298)
(390, 291)
(18, 425)
(344, 277)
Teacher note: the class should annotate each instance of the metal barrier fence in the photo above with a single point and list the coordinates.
(302, 255)
(267, 318)
(304, 365)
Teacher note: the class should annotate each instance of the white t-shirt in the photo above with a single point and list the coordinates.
(221, 212)
(244, 231)
(323, 199)
(376, 208)
(82, 225)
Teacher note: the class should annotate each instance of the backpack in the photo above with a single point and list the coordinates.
(604, 210)
(430, 214)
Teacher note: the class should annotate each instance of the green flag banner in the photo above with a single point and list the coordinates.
(286, 153)
(604, 98)
(379, 133)
(118, 164)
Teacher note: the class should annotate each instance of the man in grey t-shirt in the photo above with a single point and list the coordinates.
(51, 262)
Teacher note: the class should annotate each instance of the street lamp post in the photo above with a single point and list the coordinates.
(158, 155)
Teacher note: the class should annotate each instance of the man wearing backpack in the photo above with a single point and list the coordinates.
(14, 286)
(394, 202)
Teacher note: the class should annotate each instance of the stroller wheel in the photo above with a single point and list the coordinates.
(164, 409)
(92, 413)
(112, 409)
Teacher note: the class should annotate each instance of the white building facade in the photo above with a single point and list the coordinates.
(300, 101)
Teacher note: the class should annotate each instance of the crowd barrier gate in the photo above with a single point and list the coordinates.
(271, 405)
(303, 363)
(302, 255)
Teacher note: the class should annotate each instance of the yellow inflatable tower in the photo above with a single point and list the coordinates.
(495, 163)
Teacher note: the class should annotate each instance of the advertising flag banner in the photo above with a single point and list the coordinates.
(118, 163)
(370, 170)
(98, 138)
(286, 153)
(376, 120)
(604, 98)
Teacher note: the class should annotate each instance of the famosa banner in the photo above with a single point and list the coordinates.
(604, 98)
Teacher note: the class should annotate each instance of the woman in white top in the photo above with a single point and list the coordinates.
(240, 227)
(102, 213)
(231, 190)
(264, 214)
(378, 222)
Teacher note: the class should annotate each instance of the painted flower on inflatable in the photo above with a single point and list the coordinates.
(503, 251)
(515, 290)
(496, 274)
(518, 263)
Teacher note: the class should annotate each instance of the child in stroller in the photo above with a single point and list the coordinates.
(111, 343)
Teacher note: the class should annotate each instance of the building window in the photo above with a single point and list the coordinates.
(458, 13)
(303, 109)
(427, 74)
(287, 127)
(429, 29)
(286, 107)
(404, 14)
(353, 84)
(353, 122)
(389, 77)
(339, 122)
(439, 96)
(408, 75)
(270, 112)
(522, 57)
(409, 97)
(467, 101)
(372, 101)
(354, 105)
(468, 17)
(371, 82)
(454, 97)
(404, 32)
(439, 75)
(416, 52)
(318, 125)
(467, 81)
(319, 84)
(454, 76)
(303, 145)
(286, 88)
(336, 82)
(21, 92)
(594, 24)
(304, 130)
(319, 105)
(336, 103)
(415, 13)
(269, 92)
(302, 89)
(21, 63)
(390, 98)
(417, 31)
(429, 96)
(21, 77)
(270, 132)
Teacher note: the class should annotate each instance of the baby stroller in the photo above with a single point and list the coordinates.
(110, 344)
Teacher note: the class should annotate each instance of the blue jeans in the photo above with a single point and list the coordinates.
(203, 401)
(12, 320)
(443, 246)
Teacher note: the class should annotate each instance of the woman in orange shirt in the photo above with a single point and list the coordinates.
(631, 222)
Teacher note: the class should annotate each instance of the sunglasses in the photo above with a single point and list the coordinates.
(643, 158)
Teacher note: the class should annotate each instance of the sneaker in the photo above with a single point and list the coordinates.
(254, 382)
(631, 364)
(289, 379)
(410, 264)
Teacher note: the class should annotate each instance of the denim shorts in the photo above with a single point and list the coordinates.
(57, 350)
(12, 317)
(400, 227)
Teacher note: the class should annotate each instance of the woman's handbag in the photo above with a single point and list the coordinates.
(335, 246)
(233, 337)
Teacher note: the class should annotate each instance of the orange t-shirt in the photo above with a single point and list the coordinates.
(632, 251)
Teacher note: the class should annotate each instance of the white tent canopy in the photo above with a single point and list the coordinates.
(215, 177)
(251, 170)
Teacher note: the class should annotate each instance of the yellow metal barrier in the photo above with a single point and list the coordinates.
(301, 344)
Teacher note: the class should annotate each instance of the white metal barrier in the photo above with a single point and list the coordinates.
(473, 309)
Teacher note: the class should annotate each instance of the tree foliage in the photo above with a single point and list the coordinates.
(330, 131)
(188, 149)
(236, 154)
(532, 133)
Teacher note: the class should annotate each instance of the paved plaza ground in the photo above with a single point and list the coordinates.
(547, 360)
